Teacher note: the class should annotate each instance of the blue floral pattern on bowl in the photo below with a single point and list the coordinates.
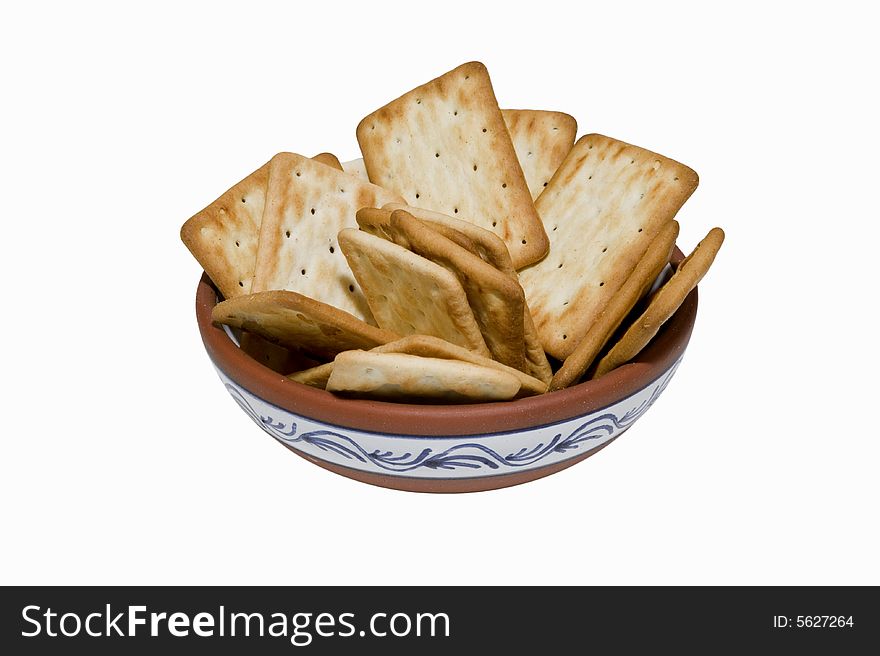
(439, 457)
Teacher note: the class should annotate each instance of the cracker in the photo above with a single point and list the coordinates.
(307, 205)
(480, 242)
(495, 298)
(298, 322)
(621, 304)
(428, 347)
(663, 303)
(444, 146)
(315, 376)
(398, 376)
(541, 140)
(409, 294)
(223, 237)
(329, 159)
(356, 167)
(602, 209)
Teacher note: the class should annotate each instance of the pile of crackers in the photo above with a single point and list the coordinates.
(473, 254)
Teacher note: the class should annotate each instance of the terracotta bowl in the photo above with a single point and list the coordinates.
(446, 448)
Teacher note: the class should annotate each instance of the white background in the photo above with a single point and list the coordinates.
(124, 461)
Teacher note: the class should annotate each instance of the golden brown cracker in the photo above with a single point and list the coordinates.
(602, 209)
(329, 159)
(621, 304)
(402, 377)
(663, 303)
(541, 140)
(223, 237)
(409, 294)
(307, 204)
(445, 146)
(299, 322)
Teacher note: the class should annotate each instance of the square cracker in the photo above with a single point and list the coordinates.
(663, 304)
(497, 300)
(481, 242)
(602, 208)
(408, 294)
(299, 322)
(427, 347)
(541, 139)
(307, 204)
(400, 377)
(444, 146)
(223, 237)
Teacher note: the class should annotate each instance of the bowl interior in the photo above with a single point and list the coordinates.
(463, 419)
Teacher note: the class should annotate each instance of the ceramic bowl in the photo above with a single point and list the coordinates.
(446, 448)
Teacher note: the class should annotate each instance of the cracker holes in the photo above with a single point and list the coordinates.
(417, 195)
(546, 183)
(312, 211)
(455, 113)
(589, 177)
(240, 283)
(298, 173)
(475, 167)
(555, 129)
(675, 179)
(602, 284)
(560, 266)
(565, 337)
(237, 243)
(590, 147)
(485, 130)
(341, 190)
(504, 185)
(640, 229)
(418, 101)
(555, 228)
(436, 154)
(332, 250)
(302, 272)
(494, 223)
(604, 249)
(523, 241)
(287, 233)
(455, 211)
(351, 288)
(632, 161)
(244, 200)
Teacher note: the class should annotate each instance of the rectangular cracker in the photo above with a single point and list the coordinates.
(541, 140)
(223, 237)
(663, 304)
(483, 243)
(401, 377)
(307, 204)
(496, 299)
(648, 269)
(427, 346)
(445, 146)
(299, 322)
(602, 208)
(409, 294)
